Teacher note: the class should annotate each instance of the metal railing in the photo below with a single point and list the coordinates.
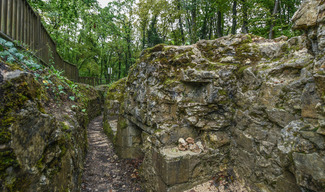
(18, 22)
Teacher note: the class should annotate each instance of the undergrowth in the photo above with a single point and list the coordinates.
(58, 87)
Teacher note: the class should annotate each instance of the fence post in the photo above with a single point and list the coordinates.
(24, 22)
(14, 19)
(37, 34)
(17, 19)
(4, 17)
(9, 18)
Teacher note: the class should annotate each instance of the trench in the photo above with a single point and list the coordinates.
(104, 171)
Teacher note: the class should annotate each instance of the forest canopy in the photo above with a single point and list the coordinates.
(96, 38)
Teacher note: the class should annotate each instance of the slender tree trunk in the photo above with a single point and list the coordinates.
(273, 22)
(204, 28)
(130, 56)
(126, 63)
(143, 36)
(128, 53)
(219, 24)
(193, 23)
(188, 26)
(244, 27)
(180, 22)
(119, 65)
(215, 22)
(234, 18)
(210, 29)
(102, 70)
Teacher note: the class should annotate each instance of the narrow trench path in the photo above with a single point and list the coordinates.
(104, 171)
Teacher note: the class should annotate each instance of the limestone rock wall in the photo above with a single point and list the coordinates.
(42, 143)
(257, 105)
(254, 103)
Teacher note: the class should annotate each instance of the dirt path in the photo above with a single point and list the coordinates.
(104, 171)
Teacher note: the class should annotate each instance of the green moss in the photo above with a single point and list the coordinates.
(40, 163)
(247, 39)
(64, 126)
(17, 183)
(242, 69)
(222, 92)
(12, 66)
(108, 131)
(169, 81)
(7, 159)
(5, 135)
(159, 47)
(63, 148)
(160, 60)
(167, 48)
(15, 93)
(158, 130)
(285, 48)
(115, 92)
(248, 51)
(117, 84)
(122, 124)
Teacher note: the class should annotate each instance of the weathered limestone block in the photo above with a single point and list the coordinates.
(193, 76)
(310, 170)
(307, 15)
(178, 170)
(252, 102)
(128, 139)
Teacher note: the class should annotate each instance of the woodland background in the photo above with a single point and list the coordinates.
(95, 38)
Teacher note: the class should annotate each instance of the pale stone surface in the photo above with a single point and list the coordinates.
(307, 15)
(209, 187)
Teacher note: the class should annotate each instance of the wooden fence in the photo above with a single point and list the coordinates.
(19, 22)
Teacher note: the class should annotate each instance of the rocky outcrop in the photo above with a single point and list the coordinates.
(256, 105)
(42, 131)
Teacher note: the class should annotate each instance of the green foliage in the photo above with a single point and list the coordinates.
(96, 38)
(72, 98)
(12, 55)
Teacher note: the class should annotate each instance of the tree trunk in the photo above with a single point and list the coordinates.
(210, 29)
(119, 65)
(128, 54)
(234, 18)
(204, 28)
(219, 24)
(193, 23)
(180, 22)
(244, 27)
(273, 22)
(143, 36)
(101, 64)
(126, 64)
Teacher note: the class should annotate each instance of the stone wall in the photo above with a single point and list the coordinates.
(257, 105)
(43, 140)
(253, 103)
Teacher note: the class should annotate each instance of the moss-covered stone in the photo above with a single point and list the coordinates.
(39, 134)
